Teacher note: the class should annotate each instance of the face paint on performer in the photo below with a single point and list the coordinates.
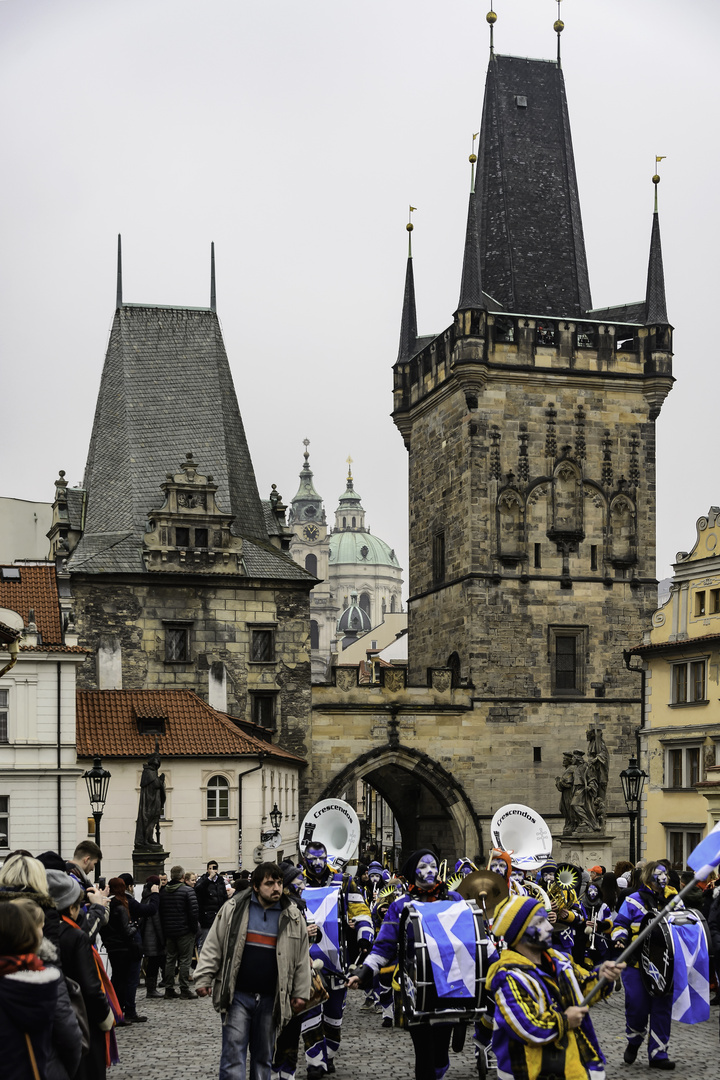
(539, 933)
(660, 876)
(298, 885)
(316, 858)
(517, 875)
(499, 866)
(593, 893)
(548, 877)
(426, 873)
(376, 878)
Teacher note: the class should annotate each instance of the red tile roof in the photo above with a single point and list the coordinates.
(107, 726)
(36, 589)
(54, 648)
(665, 645)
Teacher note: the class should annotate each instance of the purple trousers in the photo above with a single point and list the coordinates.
(641, 1007)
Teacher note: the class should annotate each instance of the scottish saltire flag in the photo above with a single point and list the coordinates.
(450, 935)
(706, 855)
(691, 973)
(322, 908)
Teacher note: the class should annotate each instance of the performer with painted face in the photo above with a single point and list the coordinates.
(322, 1026)
(598, 923)
(566, 913)
(431, 1041)
(375, 881)
(464, 867)
(640, 1006)
(540, 1029)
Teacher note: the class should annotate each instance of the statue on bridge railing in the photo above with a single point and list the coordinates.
(583, 786)
(152, 801)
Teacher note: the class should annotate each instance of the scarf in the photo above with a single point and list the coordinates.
(112, 1056)
(9, 965)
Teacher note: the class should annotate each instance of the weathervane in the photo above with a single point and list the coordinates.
(656, 177)
(410, 228)
(558, 27)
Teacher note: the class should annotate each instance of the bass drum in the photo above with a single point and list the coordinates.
(420, 1000)
(657, 956)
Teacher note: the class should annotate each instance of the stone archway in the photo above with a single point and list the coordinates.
(430, 807)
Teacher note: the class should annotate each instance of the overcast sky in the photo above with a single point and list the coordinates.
(294, 135)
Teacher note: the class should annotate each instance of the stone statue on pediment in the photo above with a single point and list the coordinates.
(152, 801)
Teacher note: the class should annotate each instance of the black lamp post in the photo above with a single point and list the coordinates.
(633, 780)
(275, 816)
(97, 780)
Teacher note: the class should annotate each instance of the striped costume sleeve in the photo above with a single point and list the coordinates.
(524, 1011)
(385, 949)
(627, 921)
(359, 912)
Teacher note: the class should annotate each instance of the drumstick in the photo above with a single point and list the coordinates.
(667, 910)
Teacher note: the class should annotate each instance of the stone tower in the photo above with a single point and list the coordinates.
(530, 429)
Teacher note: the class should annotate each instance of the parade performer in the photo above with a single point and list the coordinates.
(322, 1025)
(375, 881)
(500, 863)
(431, 1041)
(517, 880)
(540, 1029)
(598, 922)
(640, 1006)
(465, 866)
(565, 908)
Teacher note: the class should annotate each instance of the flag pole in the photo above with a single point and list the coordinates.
(667, 910)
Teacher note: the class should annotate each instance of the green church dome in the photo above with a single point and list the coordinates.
(360, 548)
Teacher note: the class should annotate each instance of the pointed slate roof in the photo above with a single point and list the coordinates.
(166, 390)
(408, 323)
(528, 207)
(655, 306)
(471, 291)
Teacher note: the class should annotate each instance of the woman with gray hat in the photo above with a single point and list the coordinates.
(78, 963)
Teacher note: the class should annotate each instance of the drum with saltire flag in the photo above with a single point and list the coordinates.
(675, 961)
(324, 907)
(443, 961)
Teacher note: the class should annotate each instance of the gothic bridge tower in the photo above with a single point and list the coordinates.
(530, 428)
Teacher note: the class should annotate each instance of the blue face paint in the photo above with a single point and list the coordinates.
(427, 871)
(660, 876)
(539, 933)
(316, 858)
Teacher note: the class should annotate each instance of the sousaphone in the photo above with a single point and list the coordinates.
(521, 832)
(334, 823)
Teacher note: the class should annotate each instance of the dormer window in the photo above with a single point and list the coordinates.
(151, 725)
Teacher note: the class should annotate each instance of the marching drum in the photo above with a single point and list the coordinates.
(657, 956)
(325, 908)
(422, 1001)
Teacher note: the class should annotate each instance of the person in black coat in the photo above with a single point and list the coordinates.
(78, 963)
(211, 893)
(138, 912)
(179, 921)
(28, 995)
(153, 939)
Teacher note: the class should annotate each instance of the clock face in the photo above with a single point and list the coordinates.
(311, 532)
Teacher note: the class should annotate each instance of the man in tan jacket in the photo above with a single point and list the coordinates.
(256, 962)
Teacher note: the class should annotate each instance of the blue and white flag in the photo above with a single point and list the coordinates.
(449, 928)
(691, 973)
(706, 856)
(322, 908)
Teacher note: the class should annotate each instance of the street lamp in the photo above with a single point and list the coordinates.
(275, 816)
(632, 780)
(97, 780)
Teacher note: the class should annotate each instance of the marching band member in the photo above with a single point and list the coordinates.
(517, 880)
(653, 894)
(598, 922)
(540, 1029)
(431, 1041)
(499, 862)
(565, 908)
(322, 1025)
(465, 866)
(375, 881)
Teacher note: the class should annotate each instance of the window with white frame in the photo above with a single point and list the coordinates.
(688, 682)
(680, 842)
(4, 821)
(218, 797)
(4, 695)
(683, 766)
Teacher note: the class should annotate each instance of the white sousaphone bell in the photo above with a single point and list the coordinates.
(521, 832)
(334, 823)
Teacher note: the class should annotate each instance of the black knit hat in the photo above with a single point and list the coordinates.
(411, 863)
(52, 861)
(289, 875)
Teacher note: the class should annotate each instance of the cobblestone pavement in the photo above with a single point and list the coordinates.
(181, 1041)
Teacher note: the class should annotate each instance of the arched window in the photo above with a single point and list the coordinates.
(314, 635)
(218, 797)
(353, 525)
(311, 564)
(365, 603)
(344, 523)
(392, 604)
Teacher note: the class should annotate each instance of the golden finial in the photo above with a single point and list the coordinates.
(656, 178)
(472, 159)
(410, 228)
(349, 465)
(558, 27)
(491, 19)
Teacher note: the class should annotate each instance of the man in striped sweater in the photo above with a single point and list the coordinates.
(256, 960)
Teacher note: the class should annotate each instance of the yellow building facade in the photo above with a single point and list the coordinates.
(680, 736)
